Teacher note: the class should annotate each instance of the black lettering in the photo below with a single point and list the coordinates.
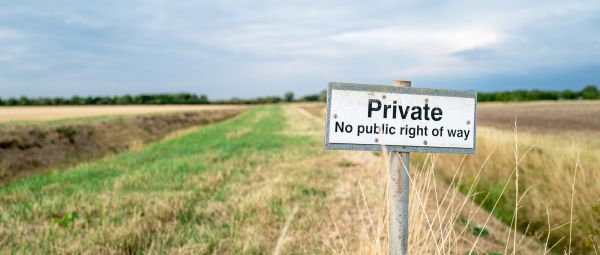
(403, 113)
(451, 133)
(385, 109)
(339, 126)
(416, 114)
(374, 108)
(436, 111)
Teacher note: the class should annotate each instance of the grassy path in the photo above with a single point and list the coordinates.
(227, 188)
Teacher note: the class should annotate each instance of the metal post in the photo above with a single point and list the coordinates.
(398, 228)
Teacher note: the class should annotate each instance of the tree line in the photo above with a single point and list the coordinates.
(588, 92)
(153, 99)
(179, 98)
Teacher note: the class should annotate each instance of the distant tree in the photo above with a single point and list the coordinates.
(41, 101)
(289, 96)
(105, 101)
(76, 100)
(123, 100)
(568, 94)
(90, 100)
(549, 95)
(310, 98)
(234, 100)
(323, 96)
(265, 100)
(142, 99)
(12, 101)
(57, 101)
(534, 95)
(590, 92)
(518, 95)
(23, 100)
(203, 99)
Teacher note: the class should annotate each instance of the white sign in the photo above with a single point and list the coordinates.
(404, 119)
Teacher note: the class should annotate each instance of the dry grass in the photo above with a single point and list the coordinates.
(541, 169)
(548, 197)
(443, 221)
(53, 113)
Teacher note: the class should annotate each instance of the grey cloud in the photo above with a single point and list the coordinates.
(268, 47)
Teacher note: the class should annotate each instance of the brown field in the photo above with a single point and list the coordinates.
(51, 113)
(558, 205)
(572, 117)
(546, 117)
(442, 220)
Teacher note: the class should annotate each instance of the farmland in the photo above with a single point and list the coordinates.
(34, 114)
(260, 182)
(547, 117)
(226, 189)
(551, 140)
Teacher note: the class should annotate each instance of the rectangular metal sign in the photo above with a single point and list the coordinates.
(367, 117)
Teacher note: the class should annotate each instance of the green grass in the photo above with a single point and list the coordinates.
(206, 192)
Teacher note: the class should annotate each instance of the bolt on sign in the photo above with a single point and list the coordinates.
(367, 117)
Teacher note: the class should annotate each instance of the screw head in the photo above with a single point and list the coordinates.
(376, 140)
(425, 142)
(426, 100)
(335, 116)
(468, 122)
(383, 97)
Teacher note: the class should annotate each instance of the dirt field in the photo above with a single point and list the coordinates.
(573, 117)
(543, 117)
(51, 113)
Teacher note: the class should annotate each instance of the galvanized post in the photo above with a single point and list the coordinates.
(398, 228)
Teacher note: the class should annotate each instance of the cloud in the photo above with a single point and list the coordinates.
(9, 34)
(271, 46)
(84, 21)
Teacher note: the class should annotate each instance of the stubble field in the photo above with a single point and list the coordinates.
(33, 114)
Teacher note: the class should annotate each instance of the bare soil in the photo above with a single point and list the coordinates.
(25, 149)
(543, 117)
(570, 117)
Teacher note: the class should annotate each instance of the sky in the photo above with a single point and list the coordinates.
(256, 48)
